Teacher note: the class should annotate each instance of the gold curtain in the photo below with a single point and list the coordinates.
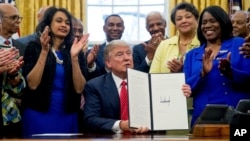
(28, 10)
(200, 4)
(245, 4)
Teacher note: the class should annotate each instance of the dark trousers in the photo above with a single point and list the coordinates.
(13, 130)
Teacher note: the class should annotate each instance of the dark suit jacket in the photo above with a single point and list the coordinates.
(100, 64)
(139, 55)
(102, 107)
(25, 40)
(19, 46)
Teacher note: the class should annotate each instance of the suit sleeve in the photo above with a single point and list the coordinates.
(139, 59)
(93, 120)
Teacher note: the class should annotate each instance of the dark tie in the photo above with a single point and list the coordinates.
(7, 42)
(124, 101)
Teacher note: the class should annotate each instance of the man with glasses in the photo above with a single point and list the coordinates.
(12, 82)
(10, 24)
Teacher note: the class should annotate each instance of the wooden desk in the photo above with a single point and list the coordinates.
(94, 137)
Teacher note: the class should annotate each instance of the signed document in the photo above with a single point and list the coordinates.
(157, 101)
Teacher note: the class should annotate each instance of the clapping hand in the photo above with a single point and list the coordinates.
(77, 46)
(15, 66)
(92, 55)
(207, 61)
(152, 45)
(225, 66)
(175, 65)
(45, 39)
(245, 48)
(8, 58)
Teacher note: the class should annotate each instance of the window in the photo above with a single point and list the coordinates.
(133, 13)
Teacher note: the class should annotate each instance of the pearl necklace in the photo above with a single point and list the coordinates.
(59, 61)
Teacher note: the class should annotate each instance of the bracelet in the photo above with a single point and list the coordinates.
(13, 76)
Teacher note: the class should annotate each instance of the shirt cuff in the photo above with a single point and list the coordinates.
(116, 128)
(93, 68)
(148, 61)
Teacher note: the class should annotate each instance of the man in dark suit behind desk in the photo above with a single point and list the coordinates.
(143, 53)
(102, 107)
(113, 28)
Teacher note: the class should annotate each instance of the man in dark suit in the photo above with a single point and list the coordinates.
(143, 53)
(113, 28)
(102, 107)
(10, 24)
(25, 40)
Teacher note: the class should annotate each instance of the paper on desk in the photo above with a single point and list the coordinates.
(58, 134)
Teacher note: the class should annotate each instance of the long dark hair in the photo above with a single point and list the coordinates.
(47, 20)
(222, 17)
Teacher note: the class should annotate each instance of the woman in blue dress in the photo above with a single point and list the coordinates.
(55, 71)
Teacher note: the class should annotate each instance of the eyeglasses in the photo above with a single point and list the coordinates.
(14, 18)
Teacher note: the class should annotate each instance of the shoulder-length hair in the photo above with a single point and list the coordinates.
(185, 6)
(47, 20)
(222, 17)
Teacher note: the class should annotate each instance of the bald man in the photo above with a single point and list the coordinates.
(25, 40)
(12, 82)
(143, 53)
(10, 25)
(240, 23)
(78, 28)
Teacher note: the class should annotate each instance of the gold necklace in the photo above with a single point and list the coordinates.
(185, 44)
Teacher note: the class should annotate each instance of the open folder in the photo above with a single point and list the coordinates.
(157, 101)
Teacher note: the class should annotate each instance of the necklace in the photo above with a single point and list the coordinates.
(59, 61)
(185, 44)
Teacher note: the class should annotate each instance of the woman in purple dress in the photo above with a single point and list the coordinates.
(55, 71)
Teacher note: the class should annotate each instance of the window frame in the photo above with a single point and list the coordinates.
(138, 5)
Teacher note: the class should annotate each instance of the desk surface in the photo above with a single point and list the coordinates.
(93, 137)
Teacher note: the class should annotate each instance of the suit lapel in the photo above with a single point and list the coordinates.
(101, 51)
(19, 46)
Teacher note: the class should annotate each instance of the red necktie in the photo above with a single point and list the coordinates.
(7, 42)
(124, 101)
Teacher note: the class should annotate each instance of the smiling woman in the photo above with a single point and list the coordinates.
(55, 71)
(216, 71)
(28, 25)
